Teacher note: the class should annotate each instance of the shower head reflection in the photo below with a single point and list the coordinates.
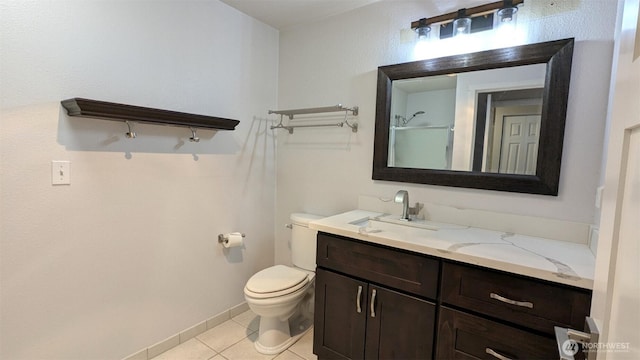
(412, 116)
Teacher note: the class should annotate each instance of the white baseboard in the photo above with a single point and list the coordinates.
(187, 334)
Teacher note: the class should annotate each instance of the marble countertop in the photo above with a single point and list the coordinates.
(557, 261)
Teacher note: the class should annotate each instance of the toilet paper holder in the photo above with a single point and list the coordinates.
(224, 238)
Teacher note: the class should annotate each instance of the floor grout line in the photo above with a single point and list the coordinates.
(248, 333)
(203, 343)
(235, 343)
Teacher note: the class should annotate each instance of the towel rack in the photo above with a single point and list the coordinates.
(316, 110)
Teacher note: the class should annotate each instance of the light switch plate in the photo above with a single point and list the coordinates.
(60, 172)
(599, 192)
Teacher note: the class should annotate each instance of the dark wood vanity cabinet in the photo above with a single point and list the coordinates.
(526, 302)
(376, 302)
(359, 320)
(340, 320)
(386, 319)
(491, 314)
(466, 336)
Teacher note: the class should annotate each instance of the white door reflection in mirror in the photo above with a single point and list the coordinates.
(515, 135)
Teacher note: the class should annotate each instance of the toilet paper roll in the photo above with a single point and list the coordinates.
(233, 239)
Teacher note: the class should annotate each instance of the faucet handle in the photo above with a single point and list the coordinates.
(416, 209)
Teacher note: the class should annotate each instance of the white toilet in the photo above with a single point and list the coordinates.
(279, 292)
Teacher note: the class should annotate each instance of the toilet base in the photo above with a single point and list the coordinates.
(276, 336)
(272, 350)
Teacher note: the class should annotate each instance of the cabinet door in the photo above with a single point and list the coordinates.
(465, 336)
(398, 326)
(340, 316)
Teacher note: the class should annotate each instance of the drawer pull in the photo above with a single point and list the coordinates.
(373, 303)
(495, 354)
(511, 302)
(358, 299)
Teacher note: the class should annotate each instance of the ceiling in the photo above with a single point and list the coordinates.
(281, 14)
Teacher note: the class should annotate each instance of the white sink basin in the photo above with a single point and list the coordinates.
(417, 223)
(390, 223)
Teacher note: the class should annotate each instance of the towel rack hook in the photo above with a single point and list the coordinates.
(193, 137)
(130, 134)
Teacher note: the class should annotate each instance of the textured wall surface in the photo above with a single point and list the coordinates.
(127, 255)
(335, 61)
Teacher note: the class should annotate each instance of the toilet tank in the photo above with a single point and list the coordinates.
(303, 241)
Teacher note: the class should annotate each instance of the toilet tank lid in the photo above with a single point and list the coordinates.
(303, 219)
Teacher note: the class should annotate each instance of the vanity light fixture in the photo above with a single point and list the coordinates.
(462, 23)
(507, 15)
(471, 20)
(423, 30)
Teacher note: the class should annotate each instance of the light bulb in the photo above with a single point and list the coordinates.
(462, 26)
(423, 32)
(507, 15)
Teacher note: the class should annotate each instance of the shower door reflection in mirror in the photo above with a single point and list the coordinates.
(486, 121)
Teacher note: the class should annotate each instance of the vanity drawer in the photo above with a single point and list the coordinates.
(394, 268)
(528, 302)
(465, 336)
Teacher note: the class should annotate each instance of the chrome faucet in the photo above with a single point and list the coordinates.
(402, 196)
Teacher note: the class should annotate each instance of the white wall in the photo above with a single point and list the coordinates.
(127, 255)
(335, 61)
(440, 104)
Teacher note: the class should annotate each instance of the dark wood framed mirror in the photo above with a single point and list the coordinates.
(466, 157)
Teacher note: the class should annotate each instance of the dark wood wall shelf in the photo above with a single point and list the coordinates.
(121, 112)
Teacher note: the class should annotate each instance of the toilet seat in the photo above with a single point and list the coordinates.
(276, 281)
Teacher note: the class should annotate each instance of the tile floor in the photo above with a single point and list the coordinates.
(233, 340)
